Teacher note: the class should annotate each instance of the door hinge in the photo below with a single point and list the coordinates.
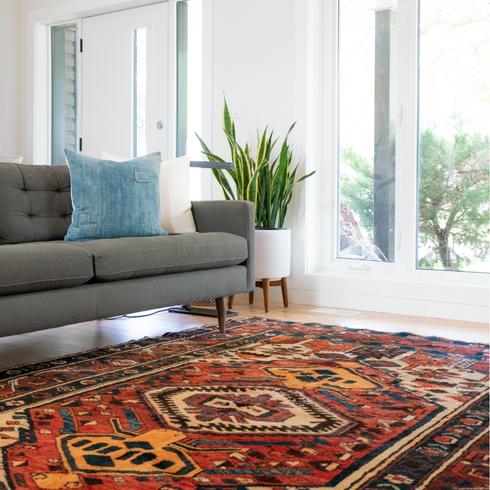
(80, 144)
(81, 45)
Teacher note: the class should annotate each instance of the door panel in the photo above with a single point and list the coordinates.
(124, 82)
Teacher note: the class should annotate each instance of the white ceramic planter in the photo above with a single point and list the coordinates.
(273, 254)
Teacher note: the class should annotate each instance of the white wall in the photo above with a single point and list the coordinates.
(9, 72)
(254, 62)
(254, 65)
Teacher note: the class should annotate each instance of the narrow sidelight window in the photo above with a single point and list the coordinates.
(366, 161)
(140, 85)
(189, 76)
(182, 76)
(189, 85)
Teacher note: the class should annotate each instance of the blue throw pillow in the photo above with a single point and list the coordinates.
(112, 200)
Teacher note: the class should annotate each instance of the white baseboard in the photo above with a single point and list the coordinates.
(399, 306)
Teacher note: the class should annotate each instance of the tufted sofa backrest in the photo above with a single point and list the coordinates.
(35, 203)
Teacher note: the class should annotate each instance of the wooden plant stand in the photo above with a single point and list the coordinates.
(265, 284)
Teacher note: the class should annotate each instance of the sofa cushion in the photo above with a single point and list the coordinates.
(35, 203)
(126, 258)
(29, 267)
(113, 201)
(175, 206)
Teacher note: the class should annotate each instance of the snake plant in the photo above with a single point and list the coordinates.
(258, 176)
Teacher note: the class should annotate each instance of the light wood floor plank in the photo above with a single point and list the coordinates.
(38, 346)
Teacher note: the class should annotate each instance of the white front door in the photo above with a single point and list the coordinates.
(124, 82)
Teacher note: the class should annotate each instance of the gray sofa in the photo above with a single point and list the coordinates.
(46, 282)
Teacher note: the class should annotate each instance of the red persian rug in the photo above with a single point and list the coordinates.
(270, 405)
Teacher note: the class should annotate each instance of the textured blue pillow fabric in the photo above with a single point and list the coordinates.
(114, 200)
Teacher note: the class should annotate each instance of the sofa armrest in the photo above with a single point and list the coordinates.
(236, 217)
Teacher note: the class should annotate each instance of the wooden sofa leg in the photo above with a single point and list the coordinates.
(231, 299)
(220, 308)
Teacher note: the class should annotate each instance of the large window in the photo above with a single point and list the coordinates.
(449, 149)
(454, 135)
(367, 64)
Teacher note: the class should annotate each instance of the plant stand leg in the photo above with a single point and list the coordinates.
(265, 287)
(230, 301)
(221, 310)
(251, 298)
(266, 284)
(284, 289)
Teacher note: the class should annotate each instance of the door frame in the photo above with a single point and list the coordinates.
(38, 100)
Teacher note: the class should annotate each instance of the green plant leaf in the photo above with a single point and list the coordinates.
(305, 177)
(265, 179)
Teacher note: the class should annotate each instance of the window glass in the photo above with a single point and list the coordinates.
(366, 168)
(454, 135)
(140, 85)
(189, 86)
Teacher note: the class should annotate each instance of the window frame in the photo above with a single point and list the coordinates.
(322, 216)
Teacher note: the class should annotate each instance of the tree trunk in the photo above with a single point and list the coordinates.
(443, 248)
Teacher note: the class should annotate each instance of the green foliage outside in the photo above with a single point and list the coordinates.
(453, 198)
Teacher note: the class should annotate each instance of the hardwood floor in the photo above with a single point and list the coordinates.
(45, 344)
